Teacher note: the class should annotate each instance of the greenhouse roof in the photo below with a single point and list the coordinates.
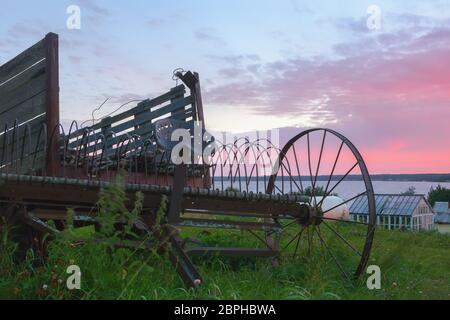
(388, 204)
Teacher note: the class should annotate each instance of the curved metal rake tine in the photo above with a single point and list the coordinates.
(136, 139)
(41, 134)
(15, 141)
(27, 130)
(85, 136)
(5, 143)
(259, 155)
(124, 139)
(148, 142)
(57, 130)
(97, 163)
(64, 155)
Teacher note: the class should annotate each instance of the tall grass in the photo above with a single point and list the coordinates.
(414, 265)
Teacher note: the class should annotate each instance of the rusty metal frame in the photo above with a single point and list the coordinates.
(52, 102)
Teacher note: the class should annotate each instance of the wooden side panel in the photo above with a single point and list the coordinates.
(29, 102)
(22, 61)
(136, 121)
(23, 102)
(17, 91)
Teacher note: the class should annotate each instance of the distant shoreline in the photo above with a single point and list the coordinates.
(419, 177)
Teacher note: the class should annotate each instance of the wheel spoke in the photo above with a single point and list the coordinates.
(346, 201)
(331, 254)
(334, 187)
(288, 170)
(342, 238)
(310, 170)
(298, 168)
(334, 167)
(320, 157)
(283, 228)
(292, 240)
(278, 187)
(298, 241)
(288, 224)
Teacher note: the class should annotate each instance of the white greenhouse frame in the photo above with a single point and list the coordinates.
(391, 222)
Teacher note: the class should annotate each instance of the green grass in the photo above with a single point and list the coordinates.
(414, 266)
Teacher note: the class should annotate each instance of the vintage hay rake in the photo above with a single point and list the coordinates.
(46, 168)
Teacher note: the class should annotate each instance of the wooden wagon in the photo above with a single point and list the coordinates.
(46, 168)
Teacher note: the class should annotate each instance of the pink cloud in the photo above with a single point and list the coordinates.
(396, 90)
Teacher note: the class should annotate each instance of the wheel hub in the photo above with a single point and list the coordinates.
(315, 215)
(310, 215)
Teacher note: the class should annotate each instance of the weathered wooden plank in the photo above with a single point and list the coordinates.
(21, 62)
(14, 98)
(145, 118)
(143, 131)
(141, 107)
(183, 115)
(149, 116)
(22, 78)
(114, 143)
(25, 111)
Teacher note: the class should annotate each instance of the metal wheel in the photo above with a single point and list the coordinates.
(325, 166)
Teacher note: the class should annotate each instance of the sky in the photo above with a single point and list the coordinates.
(263, 64)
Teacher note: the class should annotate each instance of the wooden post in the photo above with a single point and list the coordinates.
(192, 81)
(52, 103)
(199, 102)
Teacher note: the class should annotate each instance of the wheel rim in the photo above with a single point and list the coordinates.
(319, 163)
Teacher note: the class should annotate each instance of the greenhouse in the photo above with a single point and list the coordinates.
(395, 211)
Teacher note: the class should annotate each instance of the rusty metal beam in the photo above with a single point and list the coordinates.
(183, 264)
(77, 192)
(38, 224)
(176, 197)
(226, 224)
